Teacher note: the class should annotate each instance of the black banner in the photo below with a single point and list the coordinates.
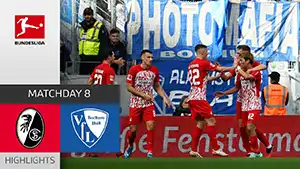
(58, 94)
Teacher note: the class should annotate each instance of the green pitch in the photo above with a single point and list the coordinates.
(180, 163)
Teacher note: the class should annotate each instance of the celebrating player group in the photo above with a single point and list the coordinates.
(143, 77)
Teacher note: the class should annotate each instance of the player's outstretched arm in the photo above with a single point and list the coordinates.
(226, 76)
(247, 76)
(227, 92)
(227, 69)
(224, 69)
(232, 90)
(214, 77)
(162, 94)
(259, 68)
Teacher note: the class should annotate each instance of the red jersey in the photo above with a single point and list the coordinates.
(233, 73)
(103, 74)
(198, 74)
(143, 81)
(249, 91)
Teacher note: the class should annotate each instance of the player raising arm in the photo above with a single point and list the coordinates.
(201, 110)
(212, 78)
(255, 65)
(140, 81)
(241, 49)
(103, 74)
(248, 86)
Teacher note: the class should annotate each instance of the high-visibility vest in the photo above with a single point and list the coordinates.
(89, 43)
(275, 96)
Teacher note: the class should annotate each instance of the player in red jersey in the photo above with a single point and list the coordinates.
(200, 108)
(255, 66)
(103, 74)
(140, 81)
(249, 87)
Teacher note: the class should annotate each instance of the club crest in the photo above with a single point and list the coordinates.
(30, 128)
(89, 124)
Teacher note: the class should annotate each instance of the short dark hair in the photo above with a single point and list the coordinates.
(107, 52)
(145, 51)
(244, 48)
(200, 46)
(248, 56)
(114, 30)
(275, 76)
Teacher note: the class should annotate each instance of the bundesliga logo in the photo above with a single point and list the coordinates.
(29, 27)
(89, 125)
(30, 128)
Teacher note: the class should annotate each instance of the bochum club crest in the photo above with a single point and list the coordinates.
(89, 124)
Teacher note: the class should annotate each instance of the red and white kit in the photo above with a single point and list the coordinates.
(143, 81)
(250, 96)
(198, 75)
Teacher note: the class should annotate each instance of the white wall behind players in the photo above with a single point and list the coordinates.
(30, 64)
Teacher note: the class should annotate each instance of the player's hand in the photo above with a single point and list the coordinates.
(217, 64)
(218, 75)
(219, 94)
(249, 71)
(237, 56)
(120, 61)
(148, 97)
(236, 63)
(166, 101)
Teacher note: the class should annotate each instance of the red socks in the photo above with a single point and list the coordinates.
(130, 137)
(262, 138)
(149, 140)
(195, 138)
(254, 144)
(245, 139)
(211, 130)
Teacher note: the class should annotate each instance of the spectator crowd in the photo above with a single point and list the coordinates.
(96, 41)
